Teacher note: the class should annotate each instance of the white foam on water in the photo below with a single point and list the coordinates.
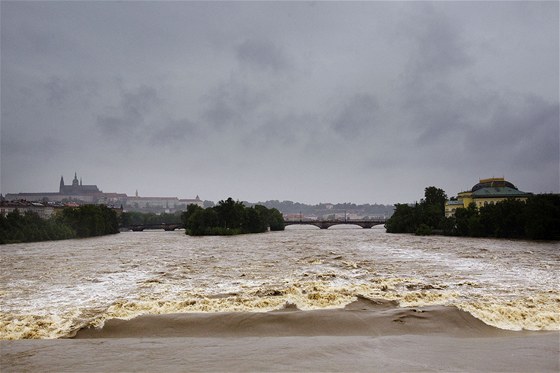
(47, 290)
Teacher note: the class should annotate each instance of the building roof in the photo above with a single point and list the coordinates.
(501, 191)
(493, 182)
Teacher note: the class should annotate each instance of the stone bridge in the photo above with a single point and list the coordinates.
(324, 224)
(164, 226)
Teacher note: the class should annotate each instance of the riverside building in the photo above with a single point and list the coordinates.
(487, 191)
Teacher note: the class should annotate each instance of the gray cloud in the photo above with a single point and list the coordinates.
(130, 115)
(177, 133)
(437, 46)
(262, 54)
(335, 101)
(525, 131)
(357, 116)
(231, 103)
(431, 89)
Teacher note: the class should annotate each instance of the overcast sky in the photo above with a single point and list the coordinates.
(365, 102)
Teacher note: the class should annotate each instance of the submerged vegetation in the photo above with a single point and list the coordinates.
(71, 222)
(229, 218)
(537, 218)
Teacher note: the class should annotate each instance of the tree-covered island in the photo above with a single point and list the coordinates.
(536, 218)
(231, 217)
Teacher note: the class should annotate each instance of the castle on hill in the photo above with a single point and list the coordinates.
(91, 194)
(77, 188)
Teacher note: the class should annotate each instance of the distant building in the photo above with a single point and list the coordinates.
(44, 210)
(74, 192)
(188, 201)
(77, 192)
(487, 191)
(167, 204)
(76, 188)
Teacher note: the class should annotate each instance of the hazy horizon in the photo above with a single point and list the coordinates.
(362, 102)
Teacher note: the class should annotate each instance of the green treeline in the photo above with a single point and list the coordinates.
(83, 221)
(538, 218)
(230, 217)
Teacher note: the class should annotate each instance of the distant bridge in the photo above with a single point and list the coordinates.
(324, 224)
(164, 226)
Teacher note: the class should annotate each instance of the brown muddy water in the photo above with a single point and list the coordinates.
(53, 289)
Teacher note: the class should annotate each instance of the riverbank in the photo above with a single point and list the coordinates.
(364, 336)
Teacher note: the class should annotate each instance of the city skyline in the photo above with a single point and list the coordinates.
(365, 102)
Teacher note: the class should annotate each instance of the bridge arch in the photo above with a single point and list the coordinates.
(325, 224)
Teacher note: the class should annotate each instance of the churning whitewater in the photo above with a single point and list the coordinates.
(52, 289)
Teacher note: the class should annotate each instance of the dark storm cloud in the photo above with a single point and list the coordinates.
(260, 100)
(437, 46)
(525, 131)
(431, 86)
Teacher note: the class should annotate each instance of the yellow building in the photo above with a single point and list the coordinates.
(487, 191)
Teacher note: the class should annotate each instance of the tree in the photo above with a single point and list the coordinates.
(403, 220)
(202, 222)
(430, 212)
(462, 219)
(275, 220)
(84, 221)
(186, 216)
(254, 220)
(230, 213)
(542, 217)
(433, 207)
(231, 217)
(435, 197)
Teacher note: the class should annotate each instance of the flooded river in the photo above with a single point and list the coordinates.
(51, 289)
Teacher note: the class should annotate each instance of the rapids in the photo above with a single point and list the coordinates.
(52, 289)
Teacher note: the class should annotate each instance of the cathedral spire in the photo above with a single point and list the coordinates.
(75, 182)
(61, 184)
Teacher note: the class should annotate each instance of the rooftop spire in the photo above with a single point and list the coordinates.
(75, 182)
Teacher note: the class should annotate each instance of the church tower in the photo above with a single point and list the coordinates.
(75, 182)
(61, 188)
